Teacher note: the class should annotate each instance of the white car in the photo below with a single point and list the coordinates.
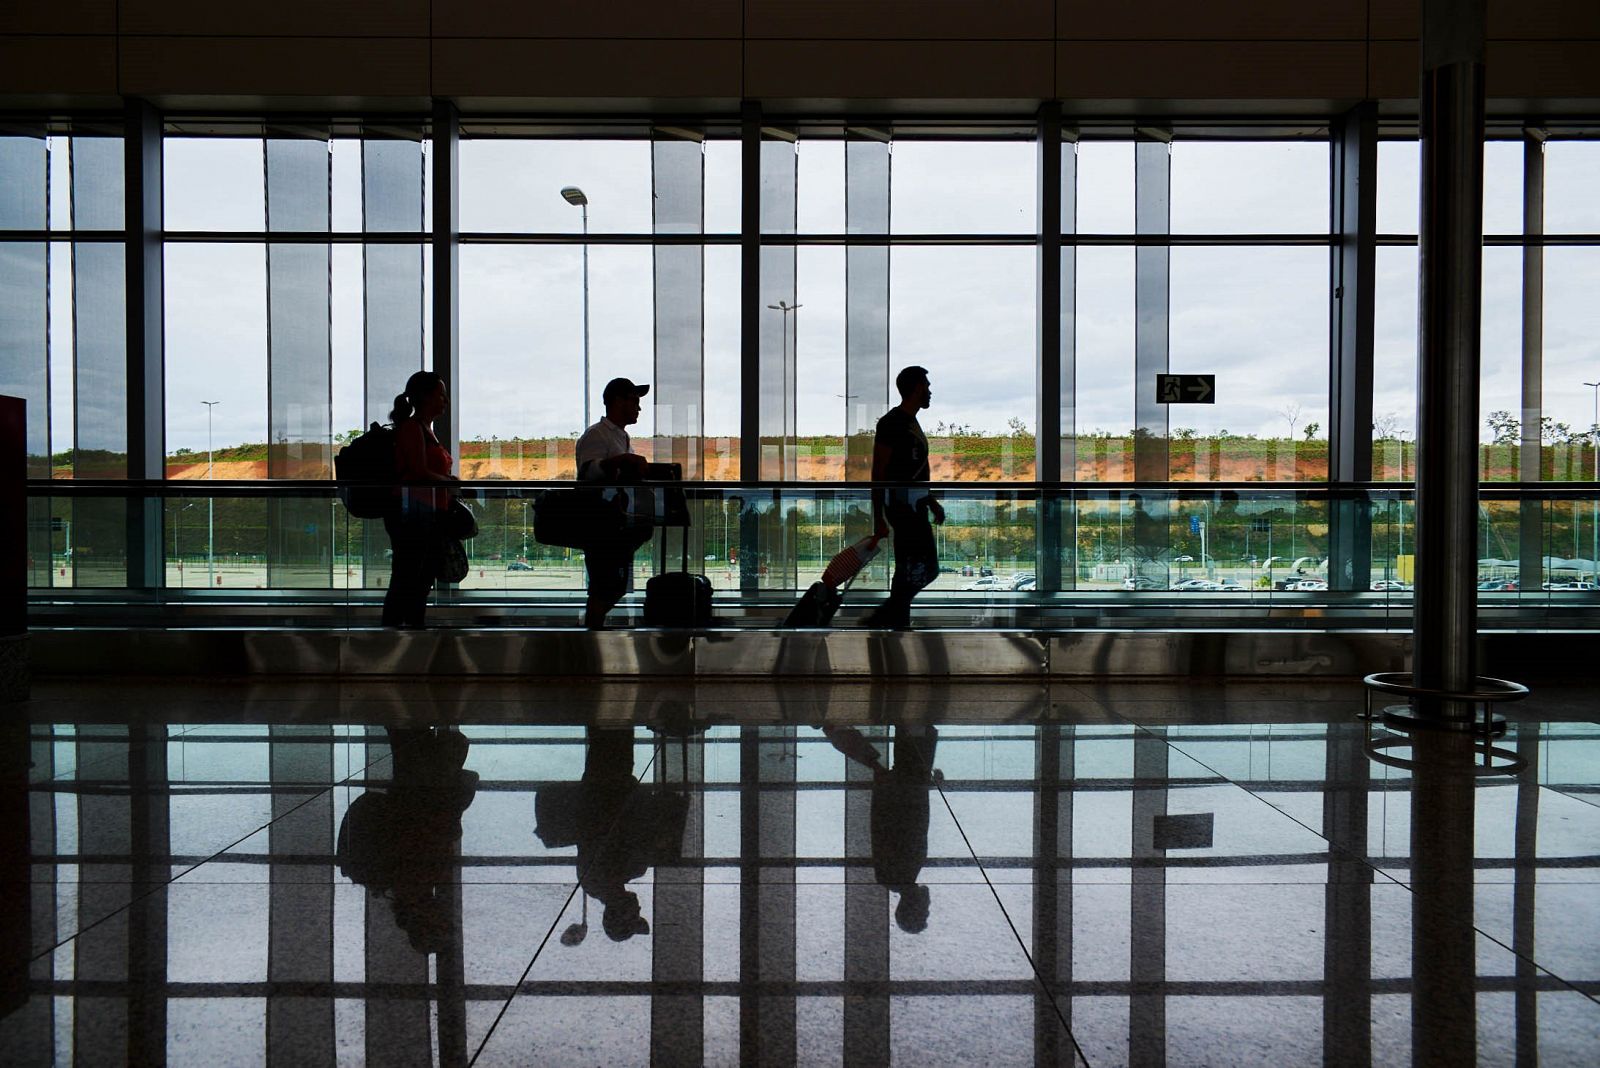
(1391, 586)
(1307, 584)
(1195, 585)
(988, 584)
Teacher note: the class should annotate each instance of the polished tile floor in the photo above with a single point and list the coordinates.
(387, 874)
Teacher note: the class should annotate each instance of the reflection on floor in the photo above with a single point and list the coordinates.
(1122, 875)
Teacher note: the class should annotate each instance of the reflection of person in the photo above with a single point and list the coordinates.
(623, 830)
(900, 454)
(899, 813)
(605, 454)
(401, 844)
(414, 522)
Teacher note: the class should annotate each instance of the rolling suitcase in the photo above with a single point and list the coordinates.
(677, 598)
(818, 604)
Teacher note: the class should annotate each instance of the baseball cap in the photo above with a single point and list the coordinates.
(622, 387)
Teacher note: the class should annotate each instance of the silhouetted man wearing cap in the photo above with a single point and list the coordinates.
(900, 454)
(605, 454)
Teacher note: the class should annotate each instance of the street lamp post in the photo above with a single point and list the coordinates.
(785, 308)
(573, 195)
(1594, 506)
(211, 506)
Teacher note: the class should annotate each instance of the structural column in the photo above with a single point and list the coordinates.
(750, 379)
(1053, 450)
(1530, 534)
(1450, 299)
(1354, 224)
(144, 387)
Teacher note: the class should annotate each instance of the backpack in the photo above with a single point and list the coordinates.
(365, 469)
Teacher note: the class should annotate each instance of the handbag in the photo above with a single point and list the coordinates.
(459, 521)
(452, 559)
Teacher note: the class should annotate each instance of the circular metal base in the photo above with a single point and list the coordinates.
(1406, 718)
(1493, 760)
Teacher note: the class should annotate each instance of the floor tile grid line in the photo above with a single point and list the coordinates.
(1334, 848)
(577, 888)
(77, 769)
(219, 853)
(1038, 978)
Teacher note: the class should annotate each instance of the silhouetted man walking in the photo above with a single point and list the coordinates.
(900, 454)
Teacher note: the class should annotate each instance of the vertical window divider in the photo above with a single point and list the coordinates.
(1353, 208)
(749, 335)
(146, 393)
(1052, 358)
(1530, 460)
(446, 251)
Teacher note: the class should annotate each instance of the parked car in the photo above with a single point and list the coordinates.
(1137, 583)
(1023, 578)
(1499, 585)
(989, 584)
(1230, 587)
(519, 565)
(1306, 584)
(1194, 585)
(1570, 586)
(1027, 586)
(1391, 586)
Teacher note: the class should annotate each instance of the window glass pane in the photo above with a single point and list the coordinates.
(213, 183)
(819, 355)
(1572, 187)
(971, 187)
(1500, 375)
(216, 345)
(1571, 325)
(1257, 318)
(520, 397)
(1394, 365)
(97, 198)
(514, 185)
(966, 314)
(1400, 177)
(23, 172)
(820, 187)
(1105, 328)
(1502, 187)
(1272, 187)
(722, 185)
(1105, 187)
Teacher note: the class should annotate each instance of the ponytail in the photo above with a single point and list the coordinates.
(402, 409)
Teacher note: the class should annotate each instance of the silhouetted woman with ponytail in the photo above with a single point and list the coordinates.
(414, 523)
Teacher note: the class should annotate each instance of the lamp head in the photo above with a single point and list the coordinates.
(574, 196)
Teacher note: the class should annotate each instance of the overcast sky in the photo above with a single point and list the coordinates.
(1255, 317)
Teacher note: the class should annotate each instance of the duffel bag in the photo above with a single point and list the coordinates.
(574, 518)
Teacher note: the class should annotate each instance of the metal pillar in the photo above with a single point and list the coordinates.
(1450, 297)
(1355, 225)
(1053, 361)
(146, 386)
(1530, 532)
(749, 337)
(446, 137)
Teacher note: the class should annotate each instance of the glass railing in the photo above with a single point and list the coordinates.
(1031, 546)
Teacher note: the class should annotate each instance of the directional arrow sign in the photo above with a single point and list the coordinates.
(1186, 389)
